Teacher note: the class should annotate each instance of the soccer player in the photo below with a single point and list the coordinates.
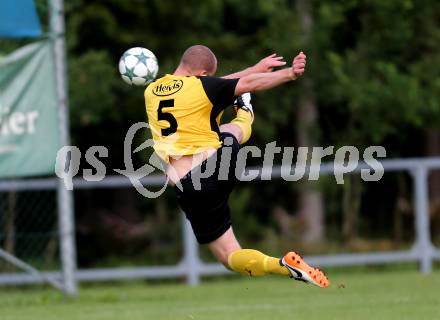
(184, 111)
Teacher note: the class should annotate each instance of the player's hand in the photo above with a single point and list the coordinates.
(267, 64)
(298, 65)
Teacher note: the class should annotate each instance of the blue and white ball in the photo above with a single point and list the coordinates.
(138, 66)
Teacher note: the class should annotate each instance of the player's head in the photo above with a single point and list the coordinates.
(199, 60)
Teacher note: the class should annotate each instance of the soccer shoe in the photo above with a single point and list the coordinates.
(301, 271)
(244, 102)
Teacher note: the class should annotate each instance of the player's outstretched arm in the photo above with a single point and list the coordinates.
(264, 81)
(264, 65)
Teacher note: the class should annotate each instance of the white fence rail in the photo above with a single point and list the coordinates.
(191, 267)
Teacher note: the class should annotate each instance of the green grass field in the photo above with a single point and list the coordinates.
(358, 295)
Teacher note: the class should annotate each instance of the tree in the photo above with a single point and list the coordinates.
(372, 78)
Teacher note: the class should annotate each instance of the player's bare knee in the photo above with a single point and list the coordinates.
(232, 129)
(224, 246)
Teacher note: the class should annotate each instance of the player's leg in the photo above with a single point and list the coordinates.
(249, 261)
(224, 246)
(241, 125)
(208, 211)
(245, 261)
(253, 263)
(233, 129)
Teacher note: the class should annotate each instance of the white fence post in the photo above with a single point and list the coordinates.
(65, 197)
(422, 226)
(67, 239)
(191, 253)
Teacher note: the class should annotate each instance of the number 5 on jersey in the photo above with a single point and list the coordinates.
(168, 117)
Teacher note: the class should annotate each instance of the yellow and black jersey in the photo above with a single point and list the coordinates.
(184, 113)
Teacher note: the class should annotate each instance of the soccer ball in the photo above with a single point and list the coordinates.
(138, 66)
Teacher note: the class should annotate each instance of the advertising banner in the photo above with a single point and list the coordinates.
(28, 112)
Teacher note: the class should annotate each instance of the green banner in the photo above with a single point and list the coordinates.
(28, 112)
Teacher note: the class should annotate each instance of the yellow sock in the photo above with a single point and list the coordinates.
(244, 120)
(255, 263)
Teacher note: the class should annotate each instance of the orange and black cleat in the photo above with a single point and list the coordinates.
(301, 271)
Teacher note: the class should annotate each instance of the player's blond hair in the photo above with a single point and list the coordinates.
(199, 57)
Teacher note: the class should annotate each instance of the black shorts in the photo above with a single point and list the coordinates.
(205, 200)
